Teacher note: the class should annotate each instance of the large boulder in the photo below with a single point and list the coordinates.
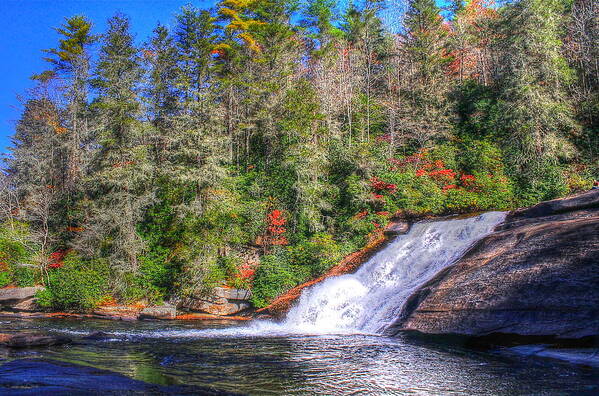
(222, 301)
(161, 312)
(19, 299)
(538, 275)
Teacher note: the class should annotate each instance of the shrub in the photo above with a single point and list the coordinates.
(24, 276)
(274, 276)
(77, 285)
(313, 257)
(5, 278)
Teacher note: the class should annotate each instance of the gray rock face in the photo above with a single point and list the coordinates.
(162, 312)
(537, 276)
(222, 301)
(20, 299)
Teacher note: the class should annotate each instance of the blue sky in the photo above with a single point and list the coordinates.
(27, 29)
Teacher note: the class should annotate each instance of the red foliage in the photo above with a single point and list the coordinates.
(383, 213)
(56, 259)
(380, 185)
(362, 214)
(275, 229)
(443, 173)
(449, 187)
(122, 164)
(384, 138)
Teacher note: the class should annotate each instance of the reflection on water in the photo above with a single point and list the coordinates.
(203, 354)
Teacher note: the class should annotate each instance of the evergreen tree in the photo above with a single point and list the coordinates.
(425, 115)
(535, 111)
(119, 185)
(71, 62)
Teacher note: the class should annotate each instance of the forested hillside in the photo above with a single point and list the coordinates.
(257, 143)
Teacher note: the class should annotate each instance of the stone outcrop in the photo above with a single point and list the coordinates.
(160, 312)
(26, 340)
(397, 228)
(537, 275)
(19, 299)
(222, 301)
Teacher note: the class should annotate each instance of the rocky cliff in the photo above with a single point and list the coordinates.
(536, 275)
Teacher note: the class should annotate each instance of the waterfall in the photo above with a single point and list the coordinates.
(371, 299)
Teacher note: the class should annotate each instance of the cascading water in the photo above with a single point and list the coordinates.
(371, 299)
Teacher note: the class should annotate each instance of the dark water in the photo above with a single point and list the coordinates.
(241, 358)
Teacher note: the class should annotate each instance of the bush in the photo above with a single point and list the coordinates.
(15, 257)
(24, 276)
(274, 276)
(293, 265)
(5, 278)
(77, 285)
(313, 257)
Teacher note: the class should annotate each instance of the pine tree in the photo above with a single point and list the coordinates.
(71, 62)
(119, 184)
(199, 141)
(535, 112)
(425, 115)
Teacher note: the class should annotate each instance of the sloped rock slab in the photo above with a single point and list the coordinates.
(538, 278)
(48, 377)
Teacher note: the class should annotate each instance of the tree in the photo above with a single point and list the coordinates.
(424, 116)
(583, 52)
(35, 170)
(536, 113)
(366, 50)
(119, 185)
(71, 62)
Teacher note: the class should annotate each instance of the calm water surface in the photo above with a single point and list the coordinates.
(253, 360)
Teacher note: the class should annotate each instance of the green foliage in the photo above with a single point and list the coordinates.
(77, 285)
(5, 278)
(15, 256)
(274, 276)
(293, 265)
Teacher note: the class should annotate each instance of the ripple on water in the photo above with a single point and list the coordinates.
(238, 359)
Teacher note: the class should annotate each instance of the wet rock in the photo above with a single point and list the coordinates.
(97, 335)
(19, 299)
(222, 301)
(161, 312)
(49, 377)
(117, 312)
(537, 276)
(397, 228)
(32, 340)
